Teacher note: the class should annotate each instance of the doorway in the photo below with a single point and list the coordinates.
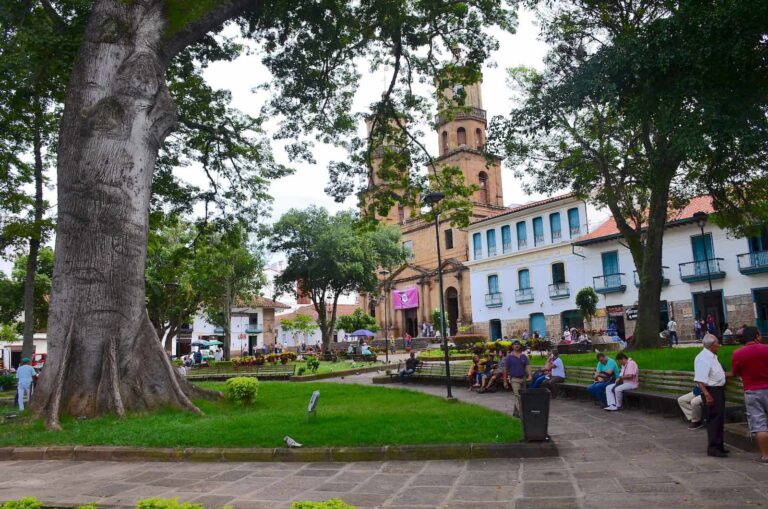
(411, 321)
(452, 309)
(571, 319)
(710, 304)
(495, 329)
(663, 315)
(538, 324)
(760, 297)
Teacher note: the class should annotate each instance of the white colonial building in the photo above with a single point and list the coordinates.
(533, 287)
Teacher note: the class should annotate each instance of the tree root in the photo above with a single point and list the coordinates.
(53, 405)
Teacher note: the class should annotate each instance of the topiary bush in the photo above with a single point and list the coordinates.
(242, 389)
(333, 503)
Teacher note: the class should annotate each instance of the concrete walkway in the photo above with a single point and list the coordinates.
(623, 459)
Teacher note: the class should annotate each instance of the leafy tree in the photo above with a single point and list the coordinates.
(637, 110)
(331, 256)
(359, 319)
(587, 301)
(8, 333)
(12, 290)
(120, 108)
(302, 324)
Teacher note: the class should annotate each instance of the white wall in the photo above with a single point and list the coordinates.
(200, 327)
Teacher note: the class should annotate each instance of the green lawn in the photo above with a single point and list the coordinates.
(348, 415)
(678, 359)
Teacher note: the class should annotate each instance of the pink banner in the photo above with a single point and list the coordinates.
(406, 298)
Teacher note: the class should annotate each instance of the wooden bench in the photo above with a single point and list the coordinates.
(265, 372)
(433, 372)
(358, 357)
(658, 391)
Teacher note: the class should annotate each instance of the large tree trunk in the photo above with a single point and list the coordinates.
(34, 241)
(104, 355)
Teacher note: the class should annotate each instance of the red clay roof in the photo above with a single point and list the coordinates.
(526, 206)
(309, 310)
(609, 230)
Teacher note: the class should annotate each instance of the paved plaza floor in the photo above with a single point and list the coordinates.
(625, 459)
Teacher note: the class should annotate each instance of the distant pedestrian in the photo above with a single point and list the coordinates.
(710, 378)
(697, 328)
(24, 377)
(672, 330)
(710, 323)
(424, 329)
(408, 342)
(751, 364)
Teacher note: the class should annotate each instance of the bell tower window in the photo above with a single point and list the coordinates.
(445, 141)
(461, 136)
(478, 138)
(483, 178)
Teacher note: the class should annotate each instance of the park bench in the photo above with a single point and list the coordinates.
(658, 391)
(265, 372)
(432, 372)
(573, 348)
(358, 357)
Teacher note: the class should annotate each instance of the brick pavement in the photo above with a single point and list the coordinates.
(626, 459)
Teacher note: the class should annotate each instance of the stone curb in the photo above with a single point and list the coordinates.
(307, 454)
(346, 372)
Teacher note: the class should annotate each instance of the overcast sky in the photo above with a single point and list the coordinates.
(306, 186)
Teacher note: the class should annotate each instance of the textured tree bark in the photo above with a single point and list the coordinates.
(104, 355)
(34, 242)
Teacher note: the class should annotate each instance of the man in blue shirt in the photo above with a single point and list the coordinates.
(24, 376)
(605, 374)
(517, 369)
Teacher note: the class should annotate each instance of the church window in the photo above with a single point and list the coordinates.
(445, 142)
(478, 138)
(483, 177)
(461, 136)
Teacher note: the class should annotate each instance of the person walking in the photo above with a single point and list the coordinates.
(710, 378)
(24, 377)
(751, 364)
(672, 330)
(517, 368)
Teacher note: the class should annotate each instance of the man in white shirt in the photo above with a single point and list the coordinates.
(24, 376)
(672, 329)
(710, 378)
(556, 375)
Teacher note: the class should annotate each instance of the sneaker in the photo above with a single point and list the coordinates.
(610, 408)
(696, 425)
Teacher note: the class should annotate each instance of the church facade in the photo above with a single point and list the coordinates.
(411, 292)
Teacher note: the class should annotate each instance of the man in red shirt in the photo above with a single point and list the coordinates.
(751, 364)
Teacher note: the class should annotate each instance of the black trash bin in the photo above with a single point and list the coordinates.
(535, 414)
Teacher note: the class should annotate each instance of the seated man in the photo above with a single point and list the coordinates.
(498, 372)
(605, 374)
(542, 374)
(628, 380)
(411, 363)
(692, 406)
(474, 369)
(556, 375)
(486, 367)
(494, 371)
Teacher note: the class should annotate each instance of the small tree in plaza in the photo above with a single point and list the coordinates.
(359, 319)
(302, 324)
(587, 301)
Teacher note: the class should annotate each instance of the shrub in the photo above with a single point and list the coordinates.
(312, 364)
(467, 341)
(301, 370)
(241, 389)
(7, 381)
(273, 358)
(165, 503)
(222, 364)
(23, 503)
(333, 503)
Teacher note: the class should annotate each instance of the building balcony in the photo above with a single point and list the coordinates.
(609, 283)
(464, 112)
(556, 235)
(492, 251)
(664, 277)
(575, 231)
(522, 244)
(506, 247)
(477, 254)
(493, 300)
(253, 329)
(703, 270)
(524, 295)
(753, 263)
(538, 240)
(559, 291)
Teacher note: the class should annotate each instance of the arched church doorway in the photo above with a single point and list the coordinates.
(452, 309)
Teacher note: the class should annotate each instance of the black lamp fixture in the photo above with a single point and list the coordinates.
(432, 199)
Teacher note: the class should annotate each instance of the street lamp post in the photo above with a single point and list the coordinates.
(385, 274)
(701, 220)
(433, 199)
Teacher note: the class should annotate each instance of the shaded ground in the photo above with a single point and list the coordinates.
(632, 459)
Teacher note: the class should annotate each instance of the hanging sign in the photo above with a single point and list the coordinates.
(615, 310)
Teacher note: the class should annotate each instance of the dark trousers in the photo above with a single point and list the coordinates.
(597, 389)
(672, 338)
(715, 418)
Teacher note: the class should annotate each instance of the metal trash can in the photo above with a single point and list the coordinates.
(535, 414)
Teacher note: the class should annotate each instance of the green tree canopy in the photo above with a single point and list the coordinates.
(359, 319)
(330, 256)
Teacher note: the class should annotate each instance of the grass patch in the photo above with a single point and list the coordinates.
(675, 359)
(348, 415)
(333, 367)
